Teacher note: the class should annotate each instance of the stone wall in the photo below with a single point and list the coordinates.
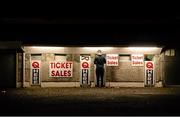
(125, 72)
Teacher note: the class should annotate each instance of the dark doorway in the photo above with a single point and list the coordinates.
(172, 67)
(172, 73)
(7, 69)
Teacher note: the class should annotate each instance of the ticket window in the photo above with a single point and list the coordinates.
(60, 57)
(124, 58)
(148, 57)
(35, 69)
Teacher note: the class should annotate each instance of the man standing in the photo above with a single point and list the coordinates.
(99, 62)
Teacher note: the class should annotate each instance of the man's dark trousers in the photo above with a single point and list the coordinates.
(99, 76)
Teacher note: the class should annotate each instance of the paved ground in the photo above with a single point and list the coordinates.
(90, 101)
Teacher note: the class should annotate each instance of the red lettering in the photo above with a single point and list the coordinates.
(137, 62)
(70, 65)
(137, 57)
(61, 73)
(52, 73)
(112, 62)
(65, 72)
(52, 65)
(58, 65)
(109, 62)
(63, 65)
(69, 73)
(112, 57)
(67, 65)
(57, 73)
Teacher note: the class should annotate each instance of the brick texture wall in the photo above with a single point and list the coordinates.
(122, 73)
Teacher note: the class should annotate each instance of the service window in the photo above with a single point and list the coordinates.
(35, 56)
(60, 57)
(148, 57)
(124, 58)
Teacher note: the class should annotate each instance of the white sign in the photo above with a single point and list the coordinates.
(112, 59)
(149, 73)
(137, 59)
(85, 62)
(60, 69)
(35, 71)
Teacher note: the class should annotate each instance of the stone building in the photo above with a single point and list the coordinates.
(124, 74)
(62, 66)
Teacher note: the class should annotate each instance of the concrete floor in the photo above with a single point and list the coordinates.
(90, 101)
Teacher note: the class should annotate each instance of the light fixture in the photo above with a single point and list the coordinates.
(45, 47)
(142, 48)
(97, 48)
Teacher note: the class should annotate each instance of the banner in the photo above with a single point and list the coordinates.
(149, 73)
(35, 71)
(60, 69)
(85, 62)
(112, 59)
(137, 59)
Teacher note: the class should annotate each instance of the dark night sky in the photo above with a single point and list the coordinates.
(104, 27)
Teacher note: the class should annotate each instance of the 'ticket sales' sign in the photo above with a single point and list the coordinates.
(137, 59)
(60, 69)
(112, 59)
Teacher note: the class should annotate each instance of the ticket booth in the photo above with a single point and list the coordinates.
(74, 66)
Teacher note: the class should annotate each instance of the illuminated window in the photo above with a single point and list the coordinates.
(124, 58)
(170, 52)
(35, 56)
(60, 57)
(148, 57)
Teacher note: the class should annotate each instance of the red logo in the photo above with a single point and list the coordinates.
(149, 65)
(35, 64)
(85, 65)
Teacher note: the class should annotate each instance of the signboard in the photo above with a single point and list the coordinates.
(60, 69)
(112, 59)
(137, 59)
(149, 73)
(35, 71)
(85, 62)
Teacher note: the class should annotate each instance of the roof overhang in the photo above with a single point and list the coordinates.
(92, 50)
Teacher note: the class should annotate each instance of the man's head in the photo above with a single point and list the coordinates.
(99, 52)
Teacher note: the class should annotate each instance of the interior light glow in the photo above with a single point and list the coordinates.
(142, 48)
(97, 48)
(44, 48)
